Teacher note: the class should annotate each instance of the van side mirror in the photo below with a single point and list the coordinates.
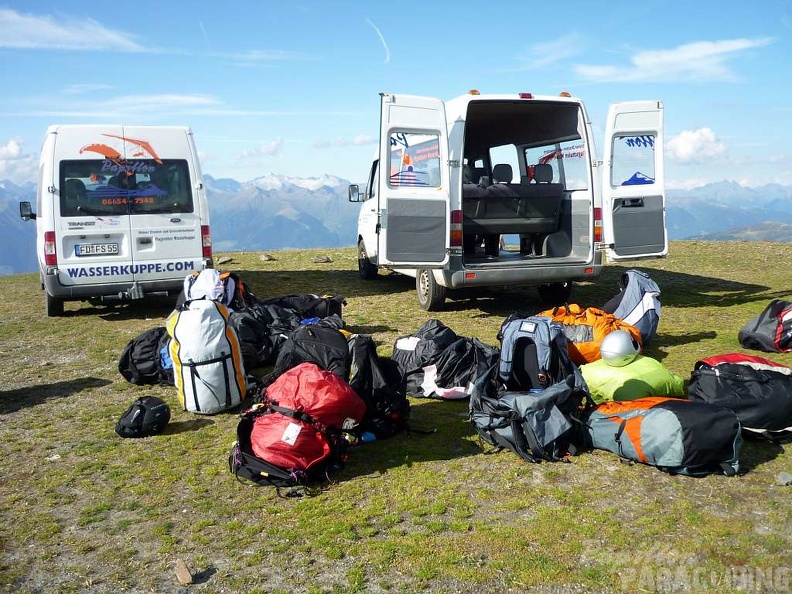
(354, 193)
(26, 211)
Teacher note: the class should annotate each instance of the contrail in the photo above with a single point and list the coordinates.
(203, 31)
(382, 39)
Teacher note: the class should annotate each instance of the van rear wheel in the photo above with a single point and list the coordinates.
(54, 306)
(555, 293)
(431, 296)
(366, 269)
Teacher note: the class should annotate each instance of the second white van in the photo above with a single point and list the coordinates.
(120, 213)
(452, 181)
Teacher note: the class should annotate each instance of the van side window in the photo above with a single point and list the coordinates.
(371, 189)
(633, 160)
(104, 187)
(414, 160)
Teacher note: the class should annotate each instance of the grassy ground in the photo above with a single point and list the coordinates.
(84, 511)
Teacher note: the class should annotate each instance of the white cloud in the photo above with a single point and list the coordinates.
(551, 52)
(360, 140)
(696, 61)
(694, 146)
(29, 31)
(268, 149)
(83, 88)
(15, 164)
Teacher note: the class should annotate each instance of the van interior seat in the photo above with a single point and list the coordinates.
(506, 207)
(502, 173)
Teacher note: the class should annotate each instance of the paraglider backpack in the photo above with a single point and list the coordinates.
(294, 436)
(758, 390)
(675, 435)
(529, 402)
(771, 330)
(585, 329)
(325, 346)
(534, 353)
(146, 416)
(218, 285)
(207, 358)
(637, 303)
(141, 360)
(308, 305)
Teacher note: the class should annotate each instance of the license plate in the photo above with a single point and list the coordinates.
(96, 249)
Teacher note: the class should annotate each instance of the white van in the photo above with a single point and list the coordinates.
(454, 181)
(121, 212)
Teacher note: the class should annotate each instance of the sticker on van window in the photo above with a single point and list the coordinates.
(132, 147)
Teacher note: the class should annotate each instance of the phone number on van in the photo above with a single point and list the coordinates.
(89, 271)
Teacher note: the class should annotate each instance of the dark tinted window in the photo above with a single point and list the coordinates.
(102, 187)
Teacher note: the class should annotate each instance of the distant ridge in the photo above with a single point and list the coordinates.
(273, 212)
(766, 231)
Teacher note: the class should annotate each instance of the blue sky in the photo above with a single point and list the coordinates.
(291, 88)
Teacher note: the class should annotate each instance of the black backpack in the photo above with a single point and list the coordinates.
(771, 330)
(309, 305)
(321, 344)
(141, 360)
(378, 381)
(146, 416)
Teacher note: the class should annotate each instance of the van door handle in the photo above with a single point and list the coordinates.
(632, 202)
(145, 240)
(175, 220)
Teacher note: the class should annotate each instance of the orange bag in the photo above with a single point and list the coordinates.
(585, 329)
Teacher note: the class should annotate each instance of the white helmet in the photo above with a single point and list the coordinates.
(619, 348)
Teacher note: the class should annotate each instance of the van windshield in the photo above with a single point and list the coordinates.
(143, 186)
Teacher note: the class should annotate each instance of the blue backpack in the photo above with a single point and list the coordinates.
(534, 353)
(529, 401)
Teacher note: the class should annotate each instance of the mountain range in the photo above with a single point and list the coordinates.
(275, 212)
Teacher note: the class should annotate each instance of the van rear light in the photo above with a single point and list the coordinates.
(526, 96)
(456, 228)
(206, 241)
(597, 225)
(50, 253)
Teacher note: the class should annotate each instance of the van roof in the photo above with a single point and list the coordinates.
(457, 107)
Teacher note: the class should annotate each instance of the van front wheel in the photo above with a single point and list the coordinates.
(555, 293)
(54, 306)
(431, 296)
(366, 269)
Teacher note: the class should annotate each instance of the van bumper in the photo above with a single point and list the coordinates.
(124, 290)
(491, 275)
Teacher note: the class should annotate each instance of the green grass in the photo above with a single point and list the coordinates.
(83, 510)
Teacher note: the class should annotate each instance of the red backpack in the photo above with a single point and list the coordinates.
(295, 435)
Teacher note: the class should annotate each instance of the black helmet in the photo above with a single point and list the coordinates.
(147, 415)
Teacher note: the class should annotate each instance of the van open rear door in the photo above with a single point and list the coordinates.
(633, 192)
(413, 182)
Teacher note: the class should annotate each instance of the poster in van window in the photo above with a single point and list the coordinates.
(414, 160)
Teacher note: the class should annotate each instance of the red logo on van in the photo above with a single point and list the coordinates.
(134, 148)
